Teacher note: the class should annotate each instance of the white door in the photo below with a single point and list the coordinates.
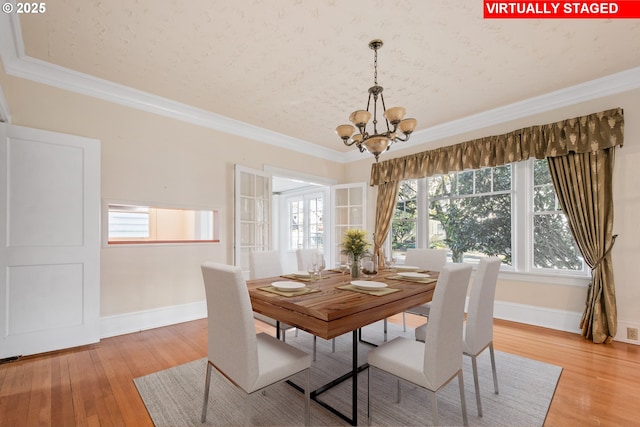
(252, 214)
(49, 241)
(349, 203)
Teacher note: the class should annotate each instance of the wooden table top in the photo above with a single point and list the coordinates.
(332, 311)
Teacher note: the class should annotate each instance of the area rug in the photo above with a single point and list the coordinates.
(173, 397)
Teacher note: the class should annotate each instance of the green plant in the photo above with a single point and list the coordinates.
(354, 243)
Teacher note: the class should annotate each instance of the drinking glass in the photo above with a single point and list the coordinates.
(321, 266)
(368, 268)
(390, 262)
(344, 267)
(312, 269)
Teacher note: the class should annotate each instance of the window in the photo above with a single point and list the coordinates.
(404, 227)
(553, 243)
(134, 224)
(128, 222)
(472, 209)
(306, 221)
(296, 224)
(510, 211)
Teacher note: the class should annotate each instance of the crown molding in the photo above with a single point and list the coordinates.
(17, 64)
(587, 91)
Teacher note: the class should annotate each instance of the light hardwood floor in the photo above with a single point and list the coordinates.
(93, 385)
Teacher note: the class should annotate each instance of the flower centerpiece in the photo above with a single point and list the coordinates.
(355, 244)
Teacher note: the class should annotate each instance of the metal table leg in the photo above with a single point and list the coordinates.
(353, 374)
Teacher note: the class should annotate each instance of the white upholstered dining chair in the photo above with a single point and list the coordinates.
(264, 264)
(251, 362)
(306, 257)
(434, 363)
(267, 264)
(426, 259)
(477, 331)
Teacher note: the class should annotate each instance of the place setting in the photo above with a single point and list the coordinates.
(369, 287)
(313, 273)
(413, 276)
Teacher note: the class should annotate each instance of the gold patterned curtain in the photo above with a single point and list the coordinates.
(593, 135)
(584, 188)
(385, 205)
(605, 130)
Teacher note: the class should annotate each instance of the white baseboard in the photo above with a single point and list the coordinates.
(622, 332)
(141, 320)
(561, 320)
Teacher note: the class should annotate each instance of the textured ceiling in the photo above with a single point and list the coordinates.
(300, 67)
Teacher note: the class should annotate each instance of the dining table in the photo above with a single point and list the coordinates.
(333, 305)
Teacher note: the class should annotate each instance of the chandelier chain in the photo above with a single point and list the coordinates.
(375, 67)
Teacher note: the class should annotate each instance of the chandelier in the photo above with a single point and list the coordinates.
(378, 142)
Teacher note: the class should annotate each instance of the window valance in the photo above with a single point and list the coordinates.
(589, 133)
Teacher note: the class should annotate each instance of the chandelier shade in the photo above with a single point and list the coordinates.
(376, 142)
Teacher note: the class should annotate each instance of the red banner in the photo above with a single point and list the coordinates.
(625, 9)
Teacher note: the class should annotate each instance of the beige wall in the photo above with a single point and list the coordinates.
(149, 158)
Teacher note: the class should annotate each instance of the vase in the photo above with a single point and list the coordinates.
(355, 268)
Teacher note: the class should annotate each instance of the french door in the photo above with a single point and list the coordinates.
(252, 215)
(253, 222)
(349, 211)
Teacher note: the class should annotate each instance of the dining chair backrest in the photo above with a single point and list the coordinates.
(306, 257)
(264, 264)
(443, 343)
(478, 330)
(232, 346)
(427, 259)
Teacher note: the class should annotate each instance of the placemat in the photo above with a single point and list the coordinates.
(416, 280)
(375, 292)
(296, 293)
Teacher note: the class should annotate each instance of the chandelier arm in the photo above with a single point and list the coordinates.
(375, 114)
(363, 130)
(349, 144)
(384, 109)
(406, 138)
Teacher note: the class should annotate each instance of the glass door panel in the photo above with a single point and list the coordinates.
(349, 211)
(252, 214)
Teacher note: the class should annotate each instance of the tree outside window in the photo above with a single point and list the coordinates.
(404, 226)
(474, 210)
(553, 244)
(474, 214)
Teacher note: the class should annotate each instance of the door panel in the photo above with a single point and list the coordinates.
(349, 210)
(50, 248)
(252, 194)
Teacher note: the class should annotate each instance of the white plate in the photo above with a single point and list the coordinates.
(407, 267)
(301, 273)
(288, 286)
(413, 275)
(367, 285)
